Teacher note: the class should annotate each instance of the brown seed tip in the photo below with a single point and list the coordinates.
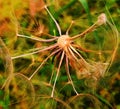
(102, 19)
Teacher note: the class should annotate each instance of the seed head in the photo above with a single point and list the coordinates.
(63, 41)
(101, 19)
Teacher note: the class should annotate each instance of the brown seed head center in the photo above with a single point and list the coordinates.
(64, 41)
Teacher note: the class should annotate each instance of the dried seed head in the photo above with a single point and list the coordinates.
(63, 41)
(101, 19)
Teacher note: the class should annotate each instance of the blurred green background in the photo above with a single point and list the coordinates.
(29, 18)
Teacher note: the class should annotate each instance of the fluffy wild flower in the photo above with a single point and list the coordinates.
(66, 48)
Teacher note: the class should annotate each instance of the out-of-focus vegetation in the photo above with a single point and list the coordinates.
(29, 18)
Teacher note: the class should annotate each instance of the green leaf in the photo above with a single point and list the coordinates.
(86, 8)
(103, 100)
(85, 5)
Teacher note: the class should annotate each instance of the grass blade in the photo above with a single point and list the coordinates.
(87, 10)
